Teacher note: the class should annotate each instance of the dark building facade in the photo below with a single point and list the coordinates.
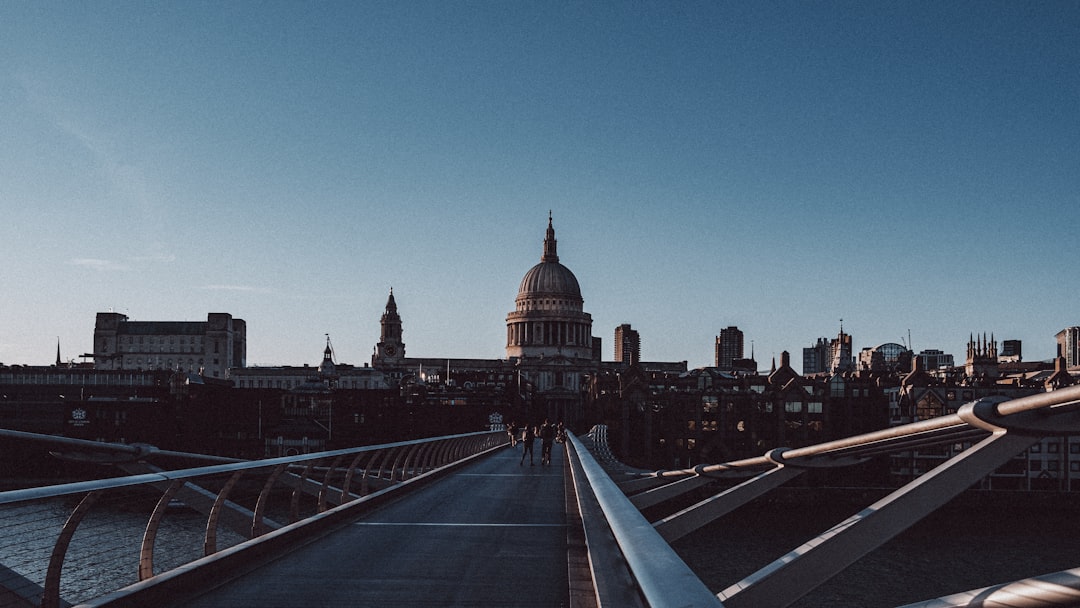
(729, 347)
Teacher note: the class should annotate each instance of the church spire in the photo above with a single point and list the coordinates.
(390, 344)
(550, 252)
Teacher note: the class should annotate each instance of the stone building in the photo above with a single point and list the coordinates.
(209, 348)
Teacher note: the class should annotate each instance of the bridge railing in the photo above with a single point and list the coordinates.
(993, 431)
(81, 542)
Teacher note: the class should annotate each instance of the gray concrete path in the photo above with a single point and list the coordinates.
(493, 533)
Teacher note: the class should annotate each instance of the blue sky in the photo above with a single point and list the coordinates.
(779, 166)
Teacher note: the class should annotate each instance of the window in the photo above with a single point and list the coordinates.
(1037, 448)
(1052, 447)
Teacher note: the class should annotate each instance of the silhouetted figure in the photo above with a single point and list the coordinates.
(547, 438)
(512, 430)
(527, 437)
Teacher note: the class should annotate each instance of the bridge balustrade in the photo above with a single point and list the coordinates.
(80, 542)
(993, 431)
(247, 511)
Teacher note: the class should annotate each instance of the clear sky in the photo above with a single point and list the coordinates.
(903, 166)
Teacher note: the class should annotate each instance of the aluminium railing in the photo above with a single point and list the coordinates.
(81, 542)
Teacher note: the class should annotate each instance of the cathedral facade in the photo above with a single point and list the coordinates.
(550, 349)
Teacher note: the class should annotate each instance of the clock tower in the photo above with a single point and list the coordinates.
(390, 347)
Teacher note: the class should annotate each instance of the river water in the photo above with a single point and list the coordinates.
(104, 552)
(977, 540)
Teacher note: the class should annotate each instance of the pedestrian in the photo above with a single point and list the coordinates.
(512, 430)
(547, 437)
(527, 437)
(560, 433)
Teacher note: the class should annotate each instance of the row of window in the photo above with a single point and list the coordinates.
(192, 345)
(813, 407)
(160, 349)
(1052, 465)
(290, 384)
(1053, 447)
(547, 304)
(78, 379)
(161, 340)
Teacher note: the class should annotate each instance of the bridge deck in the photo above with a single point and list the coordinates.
(493, 533)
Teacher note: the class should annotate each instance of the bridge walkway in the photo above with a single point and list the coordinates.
(494, 533)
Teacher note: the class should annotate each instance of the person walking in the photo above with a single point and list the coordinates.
(527, 437)
(547, 438)
(512, 430)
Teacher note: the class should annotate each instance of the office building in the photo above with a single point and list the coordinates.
(627, 345)
(729, 347)
(1068, 344)
(209, 348)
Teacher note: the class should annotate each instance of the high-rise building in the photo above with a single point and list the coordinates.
(729, 347)
(627, 344)
(208, 347)
(1068, 341)
(816, 358)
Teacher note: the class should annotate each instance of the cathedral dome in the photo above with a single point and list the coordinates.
(549, 279)
(549, 318)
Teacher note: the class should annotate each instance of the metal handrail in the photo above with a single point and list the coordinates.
(189, 486)
(661, 576)
(946, 429)
(79, 487)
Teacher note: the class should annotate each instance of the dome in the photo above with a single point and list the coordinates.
(549, 278)
(548, 319)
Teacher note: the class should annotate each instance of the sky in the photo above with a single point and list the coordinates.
(912, 168)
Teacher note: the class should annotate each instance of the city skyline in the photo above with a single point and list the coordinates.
(775, 167)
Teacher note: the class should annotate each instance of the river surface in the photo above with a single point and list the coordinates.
(978, 540)
(103, 554)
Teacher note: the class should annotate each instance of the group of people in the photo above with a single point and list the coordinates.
(527, 435)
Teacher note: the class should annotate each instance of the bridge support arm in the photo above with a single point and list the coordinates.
(678, 525)
(797, 573)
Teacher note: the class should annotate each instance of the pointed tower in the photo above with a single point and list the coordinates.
(842, 353)
(327, 367)
(390, 347)
(982, 358)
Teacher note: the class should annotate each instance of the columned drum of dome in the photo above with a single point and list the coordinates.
(549, 319)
